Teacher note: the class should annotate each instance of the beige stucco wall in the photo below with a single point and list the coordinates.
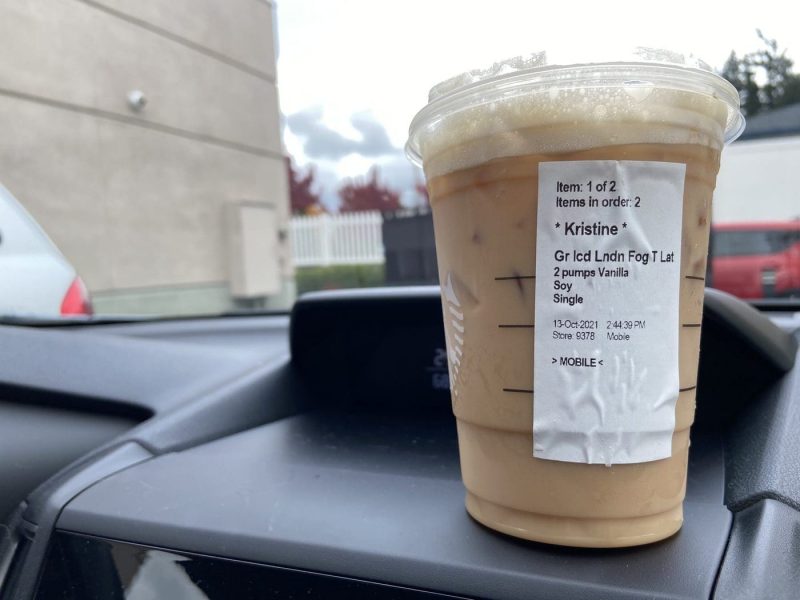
(136, 199)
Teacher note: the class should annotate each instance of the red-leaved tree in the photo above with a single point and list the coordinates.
(422, 192)
(304, 199)
(368, 193)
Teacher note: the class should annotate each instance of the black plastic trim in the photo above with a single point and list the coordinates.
(377, 496)
(25, 394)
(763, 448)
(750, 326)
(89, 568)
(47, 505)
(763, 557)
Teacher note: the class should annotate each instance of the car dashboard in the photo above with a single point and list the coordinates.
(315, 456)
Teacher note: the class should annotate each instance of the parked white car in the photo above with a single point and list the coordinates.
(35, 278)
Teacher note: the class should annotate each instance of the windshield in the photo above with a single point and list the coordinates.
(176, 157)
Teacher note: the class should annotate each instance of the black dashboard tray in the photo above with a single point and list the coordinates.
(378, 497)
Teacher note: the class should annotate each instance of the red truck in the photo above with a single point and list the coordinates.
(756, 260)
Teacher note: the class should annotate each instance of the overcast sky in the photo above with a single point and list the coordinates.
(352, 73)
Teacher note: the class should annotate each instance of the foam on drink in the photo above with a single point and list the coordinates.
(463, 125)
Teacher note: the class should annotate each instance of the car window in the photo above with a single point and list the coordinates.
(177, 157)
(752, 243)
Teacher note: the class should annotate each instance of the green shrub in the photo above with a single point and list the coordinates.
(311, 279)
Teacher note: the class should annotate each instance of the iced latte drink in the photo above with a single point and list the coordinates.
(571, 208)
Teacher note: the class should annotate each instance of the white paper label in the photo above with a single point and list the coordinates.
(608, 254)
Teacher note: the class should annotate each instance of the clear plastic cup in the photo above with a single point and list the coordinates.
(482, 141)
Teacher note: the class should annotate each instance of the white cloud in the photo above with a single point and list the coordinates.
(352, 56)
(323, 142)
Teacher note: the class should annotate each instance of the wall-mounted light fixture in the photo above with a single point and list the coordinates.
(137, 100)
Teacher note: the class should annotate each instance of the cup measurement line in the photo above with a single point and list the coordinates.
(530, 326)
(524, 391)
(518, 277)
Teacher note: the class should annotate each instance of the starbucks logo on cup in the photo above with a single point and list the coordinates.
(455, 340)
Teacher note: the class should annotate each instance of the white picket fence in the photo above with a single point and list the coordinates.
(343, 239)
